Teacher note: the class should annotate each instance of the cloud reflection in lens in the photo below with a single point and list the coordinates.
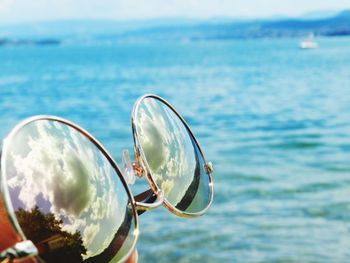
(59, 177)
(173, 157)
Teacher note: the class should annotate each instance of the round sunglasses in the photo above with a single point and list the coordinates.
(64, 199)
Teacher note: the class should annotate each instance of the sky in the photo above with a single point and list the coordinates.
(89, 198)
(17, 11)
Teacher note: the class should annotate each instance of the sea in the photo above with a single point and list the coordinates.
(273, 119)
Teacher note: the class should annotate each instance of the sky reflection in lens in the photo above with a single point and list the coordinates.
(54, 167)
(173, 157)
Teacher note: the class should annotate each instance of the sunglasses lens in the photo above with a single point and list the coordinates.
(67, 197)
(172, 156)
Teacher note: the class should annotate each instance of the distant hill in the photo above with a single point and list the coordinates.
(321, 14)
(338, 25)
(56, 32)
(335, 26)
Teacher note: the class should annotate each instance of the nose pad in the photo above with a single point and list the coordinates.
(128, 171)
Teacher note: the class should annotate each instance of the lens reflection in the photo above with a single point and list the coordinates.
(174, 159)
(67, 197)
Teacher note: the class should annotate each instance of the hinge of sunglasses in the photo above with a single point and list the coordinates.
(130, 169)
(209, 167)
(20, 250)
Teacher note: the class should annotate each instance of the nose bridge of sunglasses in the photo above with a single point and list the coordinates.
(147, 200)
(130, 169)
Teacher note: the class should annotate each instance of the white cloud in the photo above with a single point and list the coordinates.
(57, 170)
(75, 223)
(62, 172)
(99, 208)
(90, 233)
(168, 149)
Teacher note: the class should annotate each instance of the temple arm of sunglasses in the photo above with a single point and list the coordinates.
(20, 250)
(148, 200)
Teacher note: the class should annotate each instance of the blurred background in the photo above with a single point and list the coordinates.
(265, 86)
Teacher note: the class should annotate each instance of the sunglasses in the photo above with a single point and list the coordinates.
(64, 199)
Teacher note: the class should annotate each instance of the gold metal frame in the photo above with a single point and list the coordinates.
(24, 247)
(142, 165)
(4, 193)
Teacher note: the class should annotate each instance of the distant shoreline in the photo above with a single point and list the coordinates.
(29, 42)
(57, 42)
(56, 32)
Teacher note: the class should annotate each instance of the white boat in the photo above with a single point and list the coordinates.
(308, 43)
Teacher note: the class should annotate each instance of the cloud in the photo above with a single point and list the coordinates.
(76, 223)
(57, 170)
(62, 172)
(168, 149)
(90, 233)
(99, 208)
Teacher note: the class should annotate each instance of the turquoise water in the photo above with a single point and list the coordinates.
(274, 120)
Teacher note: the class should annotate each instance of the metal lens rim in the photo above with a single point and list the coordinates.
(143, 162)
(3, 177)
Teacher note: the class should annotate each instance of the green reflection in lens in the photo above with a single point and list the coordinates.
(67, 197)
(174, 159)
